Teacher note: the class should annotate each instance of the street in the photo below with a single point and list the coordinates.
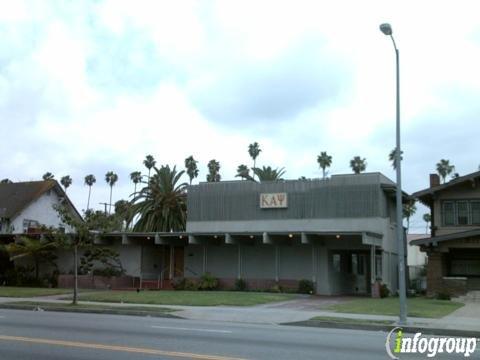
(50, 335)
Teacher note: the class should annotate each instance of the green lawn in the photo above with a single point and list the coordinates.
(8, 291)
(339, 320)
(193, 298)
(417, 307)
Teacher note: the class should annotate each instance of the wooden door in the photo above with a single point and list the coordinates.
(179, 261)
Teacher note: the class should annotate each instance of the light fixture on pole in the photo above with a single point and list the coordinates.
(387, 30)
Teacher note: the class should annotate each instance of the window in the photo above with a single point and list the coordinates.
(462, 212)
(448, 213)
(475, 206)
(378, 266)
(336, 262)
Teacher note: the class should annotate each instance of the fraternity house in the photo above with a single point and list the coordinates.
(338, 232)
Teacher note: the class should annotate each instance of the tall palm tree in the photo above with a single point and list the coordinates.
(192, 168)
(149, 163)
(213, 171)
(243, 172)
(269, 174)
(66, 181)
(48, 176)
(358, 164)
(161, 205)
(324, 161)
(111, 178)
(89, 181)
(428, 219)
(392, 157)
(444, 169)
(409, 210)
(254, 150)
(136, 178)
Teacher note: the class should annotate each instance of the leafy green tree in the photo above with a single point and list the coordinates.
(358, 164)
(254, 150)
(428, 219)
(392, 158)
(89, 181)
(66, 181)
(409, 210)
(123, 210)
(111, 178)
(444, 169)
(213, 171)
(136, 178)
(324, 161)
(243, 172)
(192, 168)
(149, 163)
(161, 205)
(6, 181)
(267, 173)
(48, 176)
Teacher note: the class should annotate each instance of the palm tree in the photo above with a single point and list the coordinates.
(136, 178)
(123, 210)
(324, 161)
(254, 150)
(6, 181)
(111, 178)
(149, 163)
(358, 164)
(269, 174)
(48, 176)
(444, 169)
(392, 158)
(66, 181)
(39, 250)
(213, 171)
(243, 172)
(161, 205)
(192, 168)
(409, 210)
(428, 219)
(89, 181)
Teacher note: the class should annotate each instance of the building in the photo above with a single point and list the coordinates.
(338, 232)
(454, 246)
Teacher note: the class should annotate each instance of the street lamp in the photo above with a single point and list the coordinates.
(387, 30)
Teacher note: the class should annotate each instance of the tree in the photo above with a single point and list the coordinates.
(149, 163)
(192, 168)
(48, 176)
(324, 161)
(243, 172)
(409, 210)
(6, 181)
(358, 164)
(254, 150)
(38, 250)
(455, 175)
(269, 174)
(89, 181)
(136, 178)
(444, 169)
(428, 219)
(111, 178)
(123, 210)
(213, 171)
(66, 181)
(392, 158)
(161, 205)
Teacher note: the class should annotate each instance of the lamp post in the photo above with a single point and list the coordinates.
(387, 30)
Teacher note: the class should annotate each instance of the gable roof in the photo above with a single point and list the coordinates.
(15, 197)
(426, 194)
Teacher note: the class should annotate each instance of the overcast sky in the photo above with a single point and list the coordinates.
(88, 87)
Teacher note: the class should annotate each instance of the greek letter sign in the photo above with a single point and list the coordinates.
(273, 201)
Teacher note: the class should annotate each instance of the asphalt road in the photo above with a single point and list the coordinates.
(49, 335)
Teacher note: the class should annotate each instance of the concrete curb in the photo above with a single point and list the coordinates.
(91, 311)
(386, 328)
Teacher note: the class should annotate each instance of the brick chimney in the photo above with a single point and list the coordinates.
(434, 180)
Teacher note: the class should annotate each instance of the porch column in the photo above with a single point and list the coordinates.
(172, 265)
(373, 262)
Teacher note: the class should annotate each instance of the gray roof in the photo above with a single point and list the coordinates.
(455, 236)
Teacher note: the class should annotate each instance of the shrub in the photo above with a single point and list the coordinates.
(208, 282)
(240, 285)
(443, 296)
(108, 272)
(275, 289)
(384, 291)
(191, 285)
(306, 287)
(179, 283)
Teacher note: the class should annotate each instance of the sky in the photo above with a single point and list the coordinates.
(92, 86)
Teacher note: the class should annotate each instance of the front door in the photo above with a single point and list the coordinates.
(178, 260)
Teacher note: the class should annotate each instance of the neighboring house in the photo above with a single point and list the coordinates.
(26, 206)
(454, 246)
(338, 232)
(416, 259)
